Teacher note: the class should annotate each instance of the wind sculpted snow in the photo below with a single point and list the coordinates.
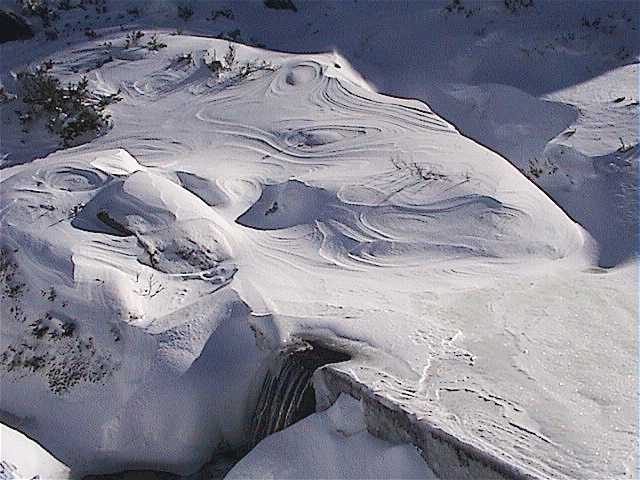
(149, 273)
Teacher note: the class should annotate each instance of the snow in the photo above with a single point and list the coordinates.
(330, 444)
(22, 458)
(149, 274)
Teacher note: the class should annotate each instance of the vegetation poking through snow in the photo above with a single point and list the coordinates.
(231, 35)
(458, 7)
(154, 44)
(230, 70)
(224, 65)
(184, 60)
(38, 8)
(133, 39)
(11, 287)
(70, 215)
(211, 61)
(273, 209)
(185, 12)
(253, 66)
(624, 147)
(224, 13)
(281, 5)
(538, 168)
(230, 57)
(415, 170)
(134, 11)
(49, 293)
(414, 175)
(53, 349)
(150, 288)
(66, 5)
(48, 346)
(515, 5)
(72, 112)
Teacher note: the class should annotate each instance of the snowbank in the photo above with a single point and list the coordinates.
(331, 444)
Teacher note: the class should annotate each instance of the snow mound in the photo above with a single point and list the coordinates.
(202, 188)
(404, 227)
(177, 231)
(22, 458)
(116, 162)
(331, 444)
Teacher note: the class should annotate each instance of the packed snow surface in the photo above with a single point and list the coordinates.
(148, 275)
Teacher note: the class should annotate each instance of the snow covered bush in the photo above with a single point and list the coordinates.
(154, 44)
(70, 111)
(184, 60)
(133, 38)
(225, 65)
(230, 56)
(230, 70)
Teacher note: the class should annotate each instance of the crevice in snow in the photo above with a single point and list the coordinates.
(287, 394)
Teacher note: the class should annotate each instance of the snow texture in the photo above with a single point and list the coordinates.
(147, 276)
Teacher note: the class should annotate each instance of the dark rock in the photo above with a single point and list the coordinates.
(13, 27)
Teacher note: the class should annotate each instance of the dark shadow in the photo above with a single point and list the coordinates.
(287, 394)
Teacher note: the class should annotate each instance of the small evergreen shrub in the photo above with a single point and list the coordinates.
(133, 38)
(280, 5)
(185, 12)
(70, 111)
(154, 44)
(514, 5)
(225, 12)
(38, 8)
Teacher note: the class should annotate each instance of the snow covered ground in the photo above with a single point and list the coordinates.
(148, 275)
(32, 459)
